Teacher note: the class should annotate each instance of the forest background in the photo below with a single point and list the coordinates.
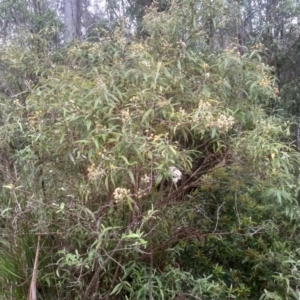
(149, 149)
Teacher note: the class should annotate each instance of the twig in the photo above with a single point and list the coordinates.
(218, 214)
(236, 209)
(95, 278)
(32, 288)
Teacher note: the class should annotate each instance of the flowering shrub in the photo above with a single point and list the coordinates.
(151, 165)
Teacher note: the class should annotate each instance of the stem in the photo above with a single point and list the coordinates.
(32, 288)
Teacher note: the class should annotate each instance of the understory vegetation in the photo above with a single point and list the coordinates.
(146, 166)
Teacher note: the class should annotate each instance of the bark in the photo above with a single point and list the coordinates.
(73, 11)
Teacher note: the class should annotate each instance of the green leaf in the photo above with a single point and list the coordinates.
(131, 176)
(88, 124)
(117, 289)
(146, 116)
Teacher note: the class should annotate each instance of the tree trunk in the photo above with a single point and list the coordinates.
(72, 19)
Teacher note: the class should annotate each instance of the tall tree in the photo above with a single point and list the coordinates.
(72, 12)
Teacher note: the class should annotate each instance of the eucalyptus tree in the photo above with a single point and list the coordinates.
(72, 19)
(275, 25)
(19, 17)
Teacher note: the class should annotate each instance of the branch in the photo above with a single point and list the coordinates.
(32, 288)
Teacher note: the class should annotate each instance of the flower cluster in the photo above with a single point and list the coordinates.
(94, 172)
(145, 179)
(259, 46)
(265, 81)
(99, 127)
(17, 104)
(100, 83)
(183, 117)
(125, 116)
(137, 48)
(181, 44)
(182, 112)
(135, 99)
(34, 119)
(120, 193)
(264, 126)
(176, 174)
(261, 122)
(91, 172)
(224, 123)
(204, 106)
(73, 107)
(141, 193)
(119, 35)
(150, 136)
(144, 187)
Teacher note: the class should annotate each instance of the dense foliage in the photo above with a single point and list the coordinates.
(94, 138)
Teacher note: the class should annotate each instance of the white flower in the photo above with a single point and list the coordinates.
(176, 174)
(145, 179)
(120, 193)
